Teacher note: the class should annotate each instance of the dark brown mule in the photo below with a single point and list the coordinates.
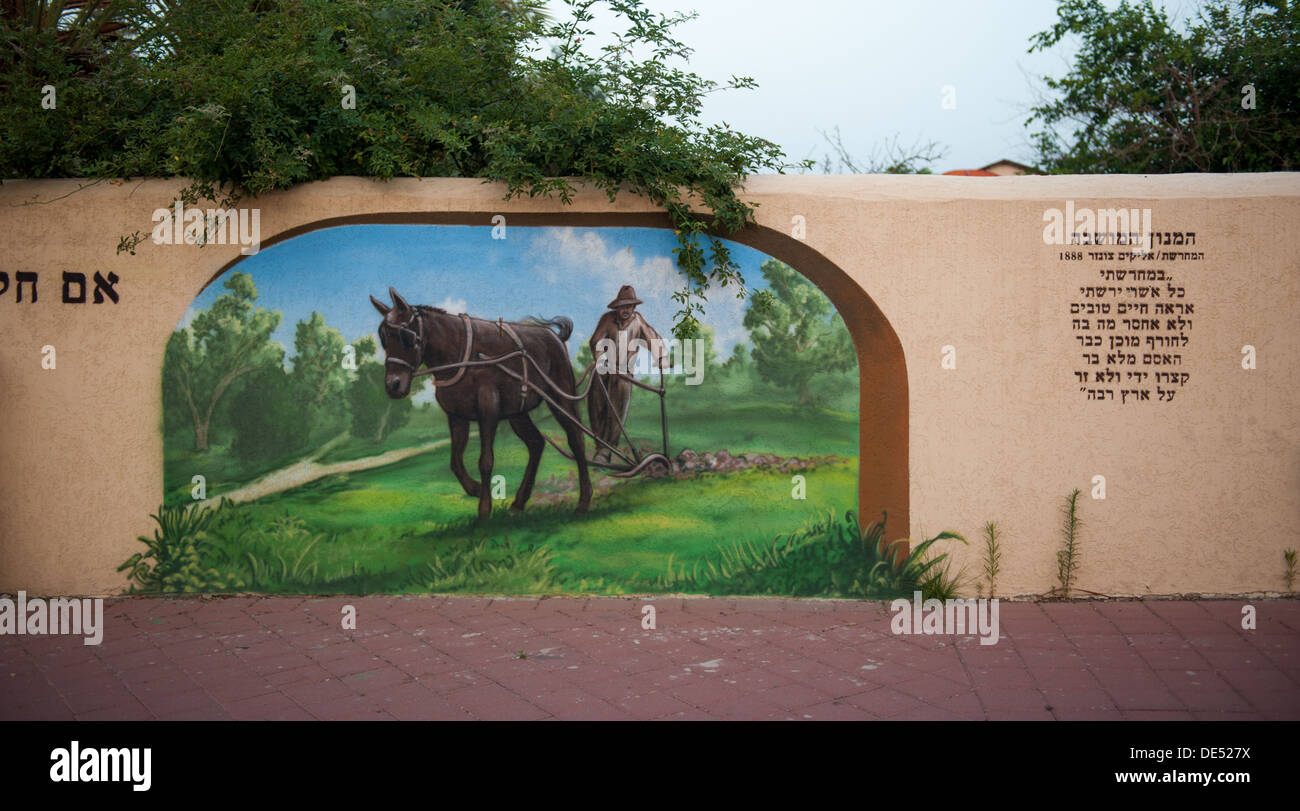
(426, 336)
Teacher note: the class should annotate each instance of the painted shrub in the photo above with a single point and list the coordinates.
(302, 456)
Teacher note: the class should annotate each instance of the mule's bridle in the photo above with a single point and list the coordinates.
(418, 335)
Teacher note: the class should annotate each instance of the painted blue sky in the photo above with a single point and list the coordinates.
(543, 271)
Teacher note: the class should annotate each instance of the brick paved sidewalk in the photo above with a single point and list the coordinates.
(577, 658)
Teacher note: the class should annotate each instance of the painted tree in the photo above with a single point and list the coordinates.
(375, 415)
(266, 417)
(738, 361)
(319, 378)
(795, 332)
(222, 343)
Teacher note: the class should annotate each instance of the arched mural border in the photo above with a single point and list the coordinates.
(883, 463)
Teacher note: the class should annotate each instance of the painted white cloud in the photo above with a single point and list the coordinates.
(595, 267)
(454, 305)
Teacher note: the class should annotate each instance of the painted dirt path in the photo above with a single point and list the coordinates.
(309, 470)
(555, 490)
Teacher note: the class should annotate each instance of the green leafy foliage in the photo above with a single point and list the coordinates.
(1143, 97)
(827, 557)
(173, 560)
(244, 98)
(484, 568)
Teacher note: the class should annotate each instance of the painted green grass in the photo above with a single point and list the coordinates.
(409, 527)
(736, 412)
(400, 518)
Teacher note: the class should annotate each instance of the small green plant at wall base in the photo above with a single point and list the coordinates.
(172, 562)
(1067, 559)
(1289, 557)
(992, 556)
(941, 583)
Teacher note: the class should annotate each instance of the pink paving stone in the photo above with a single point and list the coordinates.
(1133, 617)
(200, 658)
(795, 696)
(237, 689)
(167, 704)
(840, 685)
(377, 679)
(45, 709)
(752, 679)
(966, 707)
(885, 702)
(413, 702)
(1250, 680)
(102, 697)
(314, 693)
(1055, 658)
(1141, 697)
(1011, 698)
(492, 702)
(1002, 677)
(1020, 715)
(836, 711)
(748, 708)
(1108, 640)
(1073, 678)
(652, 705)
(1157, 715)
(209, 712)
(703, 692)
(119, 712)
(446, 682)
(565, 699)
(306, 673)
(1204, 690)
(358, 662)
(931, 688)
(270, 707)
(1083, 699)
(1219, 715)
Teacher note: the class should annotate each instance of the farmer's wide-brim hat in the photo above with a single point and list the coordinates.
(626, 297)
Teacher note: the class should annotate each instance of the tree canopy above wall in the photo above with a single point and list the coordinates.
(245, 98)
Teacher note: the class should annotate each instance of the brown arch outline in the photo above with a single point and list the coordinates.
(883, 464)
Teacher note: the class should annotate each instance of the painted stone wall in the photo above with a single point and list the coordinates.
(1013, 344)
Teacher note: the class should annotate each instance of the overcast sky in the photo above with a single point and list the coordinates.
(877, 69)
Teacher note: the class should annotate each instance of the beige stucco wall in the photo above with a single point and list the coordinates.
(1202, 493)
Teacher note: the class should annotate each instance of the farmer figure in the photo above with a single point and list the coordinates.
(619, 335)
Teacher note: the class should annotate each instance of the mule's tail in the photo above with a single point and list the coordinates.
(562, 325)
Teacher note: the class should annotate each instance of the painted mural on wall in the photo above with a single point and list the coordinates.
(411, 408)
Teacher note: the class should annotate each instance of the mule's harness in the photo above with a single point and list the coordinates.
(418, 333)
(635, 466)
